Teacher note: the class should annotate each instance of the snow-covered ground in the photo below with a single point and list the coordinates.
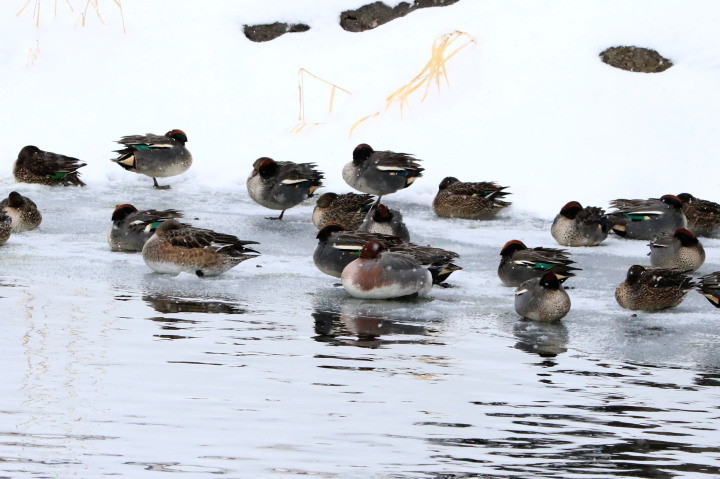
(111, 369)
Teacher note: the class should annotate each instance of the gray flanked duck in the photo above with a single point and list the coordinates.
(336, 248)
(129, 230)
(386, 221)
(381, 274)
(156, 156)
(518, 263)
(280, 185)
(645, 219)
(380, 172)
(681, 250)
(542, 299)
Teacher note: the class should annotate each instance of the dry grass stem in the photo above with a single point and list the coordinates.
(94, 4)
(443, 49)
(302, 122)
(33, 54)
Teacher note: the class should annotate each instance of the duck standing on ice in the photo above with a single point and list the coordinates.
(380, 172)
(280, 185)
(154, 155)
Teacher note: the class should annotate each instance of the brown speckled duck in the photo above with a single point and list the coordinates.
(176, 248)
(22, 210)
(650, 289)
(348, 209)
(703, 216)
(34, 165)
(473, 201)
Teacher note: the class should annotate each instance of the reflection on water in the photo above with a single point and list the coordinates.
(542, 338)
(164, 303)
(172, 327)
(365, 321)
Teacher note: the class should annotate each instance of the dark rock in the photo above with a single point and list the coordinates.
(375, 14)
(265, 33)
(636, 59)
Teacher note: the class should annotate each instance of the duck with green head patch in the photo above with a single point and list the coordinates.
(645, 219)
(518, 263)
(469, 200)
(34, 165)
(280, 185)
(129, 230)
(23, 212)
(154, 155)
(176, 248)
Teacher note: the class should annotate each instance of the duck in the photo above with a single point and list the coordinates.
(381, 274)
(176, 248)
(682, 250)
(542, 299)
(703, 216)
(280, 185)
(386, 221)
(129, 226)
(156, 156)
(645, 219)
(347, 210)
(336, 248)
(5, 227)
(23, 212)
(472, 201)
(34, 165)
(651, 289)
(709, 286)
(380, 172)
(518, 263)
(578, 226)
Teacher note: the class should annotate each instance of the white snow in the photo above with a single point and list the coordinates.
(529, 104)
